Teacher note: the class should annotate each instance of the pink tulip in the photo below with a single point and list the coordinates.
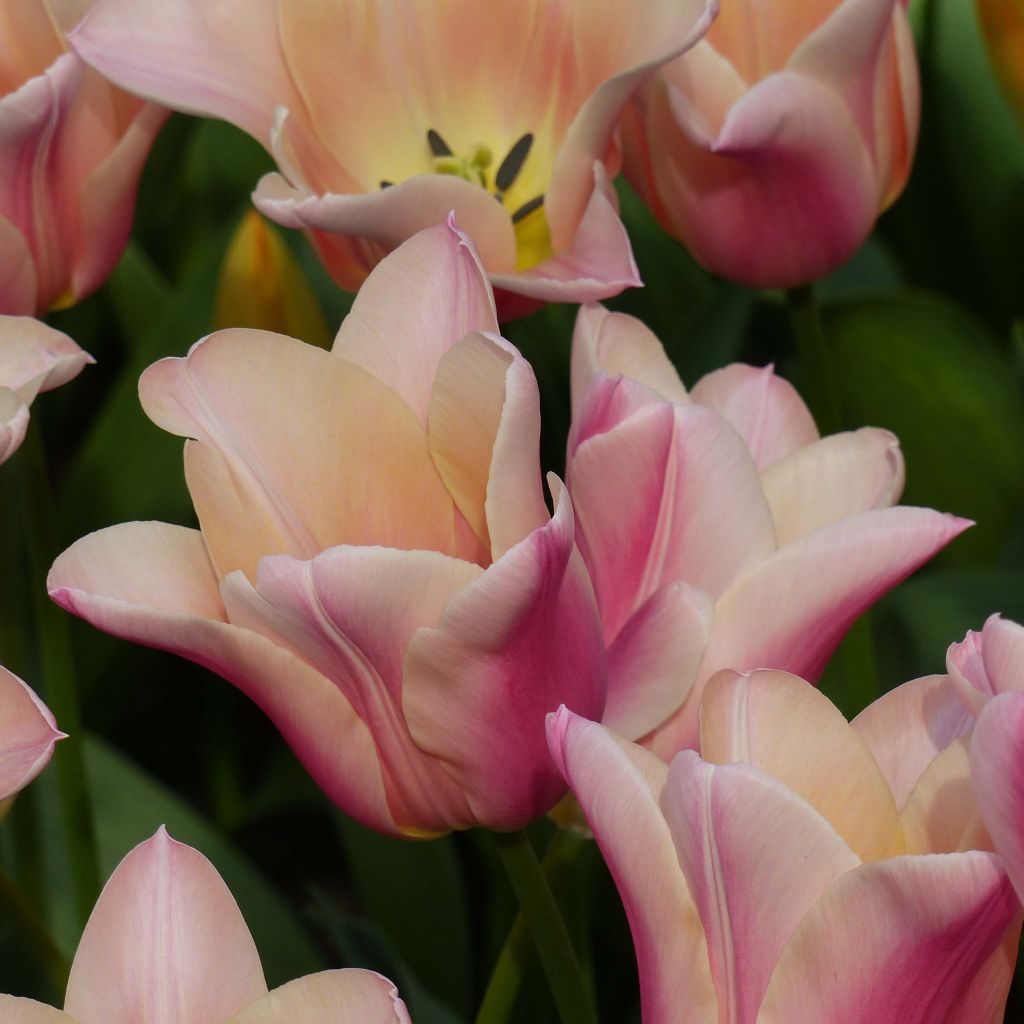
(166, 944)
(71, 149)
(383, 117)
(770, 148)
(28, 734)
(777, 878)
(33, 358)
(987, 663)
(375, 566)
(720, 531)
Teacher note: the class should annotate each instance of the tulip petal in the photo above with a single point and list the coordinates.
(793, 608)
(272, 475)
(669, 494)
(906, 728)
(618, 785)
(987, 662)
(616, 344)
(445, 296)
(764, 407)
(331, 997)
(654, 659)
(34, 357)
(165, 944)
(520, 640)
(350, 612)
(215, 58)
(831, 479)
(15, 1010)
(783, 726)
(997, 771)
(18, 283)
(735, 830)
(13, 423)
(28, 733)
(895, 942)
(153, 584)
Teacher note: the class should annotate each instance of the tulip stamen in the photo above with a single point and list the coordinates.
(527, 208)
(510, 167)
(438, 147)
(384, 183)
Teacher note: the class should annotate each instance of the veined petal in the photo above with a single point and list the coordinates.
(616, 344)
(165, 944)
(786, 728)
(331, 997)
(764, 407)
(311, 452)
(906, 728)
(153, 584)
(33, 43)
(28, 733)
(445, 296)
(833, 478)
(987, 662)
(618, 786)
(895, 942)
(15, 1010)
(34, 357)
(518, 642)
(736, 830)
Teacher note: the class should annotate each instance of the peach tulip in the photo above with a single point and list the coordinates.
(167, 944)
(33, 358)
(1002, 22)
(987, 663)
(382, 117)
(71, 149)
(779, 877)
(28, 734)
(719, 529)
(770, 148)
(375, 565)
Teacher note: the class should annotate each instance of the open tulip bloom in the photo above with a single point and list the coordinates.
(28, 734)
(719, 529)
(382, 117)
(376, 565)
(166, 943)
(771, 146)
(799, 869)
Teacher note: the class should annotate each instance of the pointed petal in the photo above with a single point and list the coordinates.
(153, 584)
(735, 830)
(165, 943)
(895, 942)
(350, 612)
(15, 1010)
(297, 451)
(764, 407)
(34, 357)
(655, 657)
(28, 733)
(786, 728)
(831, 479)
(997, 770)
(510, 647)
(445, 296)
(618, 786)
(331, 997)
(614, 344)
(907, 727)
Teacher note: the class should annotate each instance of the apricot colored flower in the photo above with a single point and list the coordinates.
(166, 943)
(376, 565)
(770, 148)
(719, 529)
(1002, 22)
(28, 734)
(797, 870)
(33, 358)
(383, 116)
(71, 149)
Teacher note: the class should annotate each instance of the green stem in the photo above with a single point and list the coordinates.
(59, 688)
(541, 920)
(822, 385)
(30, 925)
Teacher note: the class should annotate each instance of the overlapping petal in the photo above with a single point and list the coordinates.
(28, 734)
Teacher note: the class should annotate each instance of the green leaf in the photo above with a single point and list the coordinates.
(920, 366)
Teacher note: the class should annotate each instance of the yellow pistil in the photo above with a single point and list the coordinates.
(472, 167)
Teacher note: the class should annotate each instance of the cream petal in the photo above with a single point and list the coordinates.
(15, 1010)
(28, 734)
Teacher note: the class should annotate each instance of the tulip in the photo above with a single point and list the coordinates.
(383, 117)
(987, 663)
(375, 566)
(71, 149)
(166, 943)
(28, 734)
(770, 148)
(1002, 22)
(720, 531)
(33, 358)
(777, 878)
